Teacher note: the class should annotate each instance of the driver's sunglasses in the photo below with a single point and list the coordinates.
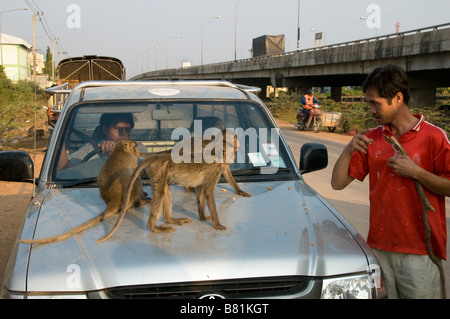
(123, 131)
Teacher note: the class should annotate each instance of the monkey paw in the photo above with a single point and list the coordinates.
(219, 227)
(163, 229)
(243, 194)
(179, 221)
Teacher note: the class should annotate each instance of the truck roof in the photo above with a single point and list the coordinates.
(158, 90)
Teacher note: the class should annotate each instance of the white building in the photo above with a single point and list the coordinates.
(14, 57)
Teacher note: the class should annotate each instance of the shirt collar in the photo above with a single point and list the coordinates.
(416, 128)
(420, 123)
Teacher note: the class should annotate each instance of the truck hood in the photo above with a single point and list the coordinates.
(283, 229)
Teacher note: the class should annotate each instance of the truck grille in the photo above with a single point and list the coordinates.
(243, 288)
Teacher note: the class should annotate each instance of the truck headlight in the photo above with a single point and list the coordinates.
(358, 287)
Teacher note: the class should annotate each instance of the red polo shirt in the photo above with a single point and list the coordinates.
(396, 211)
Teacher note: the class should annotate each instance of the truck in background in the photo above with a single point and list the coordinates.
(89, 68)
(72, 71)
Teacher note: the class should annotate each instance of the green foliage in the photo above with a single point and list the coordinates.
(48, 63)
(285, 108)
(357, 114)
(18, 102)
(439, 116)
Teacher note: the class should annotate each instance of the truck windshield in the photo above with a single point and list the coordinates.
(159, 126)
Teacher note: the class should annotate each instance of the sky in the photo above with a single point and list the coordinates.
(157, 34)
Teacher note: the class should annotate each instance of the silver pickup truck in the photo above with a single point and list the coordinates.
(285, 241)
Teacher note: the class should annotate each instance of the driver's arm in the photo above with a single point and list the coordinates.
(66, 161)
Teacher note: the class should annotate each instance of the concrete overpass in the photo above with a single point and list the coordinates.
(423, 53)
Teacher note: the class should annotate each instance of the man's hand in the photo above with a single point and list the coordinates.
(340, 178)
(107, 146)
(404, 166)
(360, 142)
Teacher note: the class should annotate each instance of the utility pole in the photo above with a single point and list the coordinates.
(34, 49)
(34, 44)
(53, 59)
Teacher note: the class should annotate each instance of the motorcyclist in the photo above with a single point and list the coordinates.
(308, 101)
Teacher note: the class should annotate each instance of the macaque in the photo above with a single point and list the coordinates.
(163, 171)
(113, 181)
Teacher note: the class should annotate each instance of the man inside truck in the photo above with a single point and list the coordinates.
(113, 128)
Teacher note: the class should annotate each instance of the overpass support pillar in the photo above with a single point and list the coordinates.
(336, 93)
(422, 97)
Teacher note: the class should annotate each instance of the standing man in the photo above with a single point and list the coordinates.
(397, 231)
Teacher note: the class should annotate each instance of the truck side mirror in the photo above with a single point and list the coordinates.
(16, 166)
(313, 157)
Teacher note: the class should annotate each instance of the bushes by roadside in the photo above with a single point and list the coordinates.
(285, 107)
(18, 103)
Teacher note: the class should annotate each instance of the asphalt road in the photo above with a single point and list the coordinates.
(353, 201)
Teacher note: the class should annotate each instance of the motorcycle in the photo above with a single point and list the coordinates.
(316, 120)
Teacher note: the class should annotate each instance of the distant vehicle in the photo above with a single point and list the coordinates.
(316, 120)
(89, 68)
(268, 45)
(73, 71)
(285, 241)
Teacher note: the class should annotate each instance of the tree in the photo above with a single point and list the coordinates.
(48, 63)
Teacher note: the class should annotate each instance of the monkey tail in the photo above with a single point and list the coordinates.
(76, 230)
(126, 200)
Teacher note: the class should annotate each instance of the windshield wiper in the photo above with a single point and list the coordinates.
(84, 181)
(258, 171)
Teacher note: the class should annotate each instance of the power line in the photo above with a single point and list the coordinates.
(35, 11)
(51, 36)
(413, 9)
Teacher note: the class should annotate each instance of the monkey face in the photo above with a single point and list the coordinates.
(128, 146)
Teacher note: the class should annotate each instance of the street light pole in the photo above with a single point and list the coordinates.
(235, 29)
(298, 27)
(216, 17)
(167, 49)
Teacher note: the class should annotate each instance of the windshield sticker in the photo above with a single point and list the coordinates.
(257, 159)
(277, 161)
(270, 149)
(164, 91)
